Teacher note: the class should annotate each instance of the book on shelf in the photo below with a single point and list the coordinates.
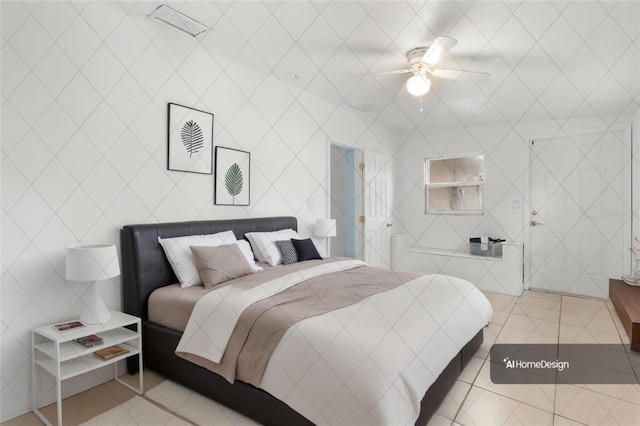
(110, 352)
(89, 341)
(66, 326)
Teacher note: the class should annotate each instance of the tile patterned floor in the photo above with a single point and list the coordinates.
(86, 405)
(534, 317)
(537, 317)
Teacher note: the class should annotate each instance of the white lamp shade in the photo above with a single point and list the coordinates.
(418, 85)
(92, 262)
(325, 228)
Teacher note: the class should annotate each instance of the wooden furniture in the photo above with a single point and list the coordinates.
(626, 300)
(54, 352)
(146, 268)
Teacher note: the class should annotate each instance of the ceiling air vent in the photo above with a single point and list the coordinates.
(364, 107)
(178, 20)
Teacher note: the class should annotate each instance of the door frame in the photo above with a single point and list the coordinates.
(359, 240)
(528, 157)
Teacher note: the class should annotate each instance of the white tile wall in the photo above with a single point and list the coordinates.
(553, 94)
(85, 87)
(636, 179)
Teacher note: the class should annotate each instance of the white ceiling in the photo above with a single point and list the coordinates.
(548, 60)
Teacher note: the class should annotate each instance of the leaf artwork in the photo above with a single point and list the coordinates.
(233, 180)
(192, 137)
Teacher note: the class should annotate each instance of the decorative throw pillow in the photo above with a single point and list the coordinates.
(288, 251)
(248, 254)
(220, 264)
(306, 250)
(180, 256)
(263, 246)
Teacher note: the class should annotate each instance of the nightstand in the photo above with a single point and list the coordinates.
(55, 352)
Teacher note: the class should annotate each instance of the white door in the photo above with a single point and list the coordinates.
(579, 219)
(376, 209)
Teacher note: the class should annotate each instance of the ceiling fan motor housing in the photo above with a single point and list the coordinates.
(414, 56)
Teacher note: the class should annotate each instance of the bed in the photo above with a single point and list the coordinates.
(145, 269)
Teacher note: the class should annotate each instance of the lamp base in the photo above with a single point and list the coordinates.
(94, 311)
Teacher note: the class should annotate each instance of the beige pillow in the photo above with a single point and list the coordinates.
(219, 264)
(179, 256)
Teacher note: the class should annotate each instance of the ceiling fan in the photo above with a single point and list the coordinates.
(421, 61)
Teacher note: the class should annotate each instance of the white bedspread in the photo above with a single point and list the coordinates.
(369, 363)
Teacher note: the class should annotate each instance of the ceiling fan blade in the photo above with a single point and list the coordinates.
(454, 74)
(404, 71)
(437, 49)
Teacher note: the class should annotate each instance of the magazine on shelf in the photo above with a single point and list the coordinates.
(110, 352)
(66, 326)
(89, 341)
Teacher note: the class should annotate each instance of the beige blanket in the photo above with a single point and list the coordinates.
(171, 306)
(262, 325)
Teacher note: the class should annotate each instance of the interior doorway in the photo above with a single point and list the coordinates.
(579, 216)
(346, 195)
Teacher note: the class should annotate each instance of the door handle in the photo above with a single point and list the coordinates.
(536, 223)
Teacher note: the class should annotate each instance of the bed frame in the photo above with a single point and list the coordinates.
(145, 268)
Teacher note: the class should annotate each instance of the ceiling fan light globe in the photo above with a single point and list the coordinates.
(418, 85)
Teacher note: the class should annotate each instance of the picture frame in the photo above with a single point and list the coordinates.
(232, 184)
(190, 140)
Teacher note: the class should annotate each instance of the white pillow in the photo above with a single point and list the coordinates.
(178, 252)
(265, 249)
(245, 247)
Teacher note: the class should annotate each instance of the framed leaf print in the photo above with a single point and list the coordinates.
(231, 185)
(190, 140)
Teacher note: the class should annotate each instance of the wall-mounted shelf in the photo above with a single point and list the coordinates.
(464, 253)
(497, 274)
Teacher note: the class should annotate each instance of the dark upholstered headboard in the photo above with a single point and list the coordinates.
(145, 267)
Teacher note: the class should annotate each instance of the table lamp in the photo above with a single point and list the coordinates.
(92, 262)
(325, 228)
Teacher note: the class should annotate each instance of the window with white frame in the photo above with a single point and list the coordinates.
(454, 185)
